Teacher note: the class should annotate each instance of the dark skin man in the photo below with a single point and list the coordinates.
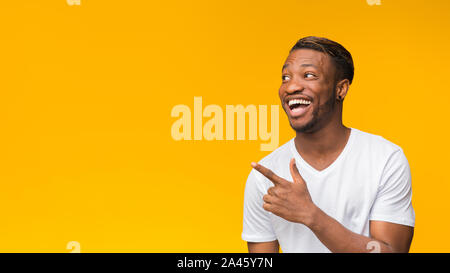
(312, 76)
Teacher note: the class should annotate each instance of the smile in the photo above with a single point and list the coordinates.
(298, 107)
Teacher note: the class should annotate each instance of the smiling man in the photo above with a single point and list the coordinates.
(330, 188)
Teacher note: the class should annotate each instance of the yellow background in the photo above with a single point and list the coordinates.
(86, 94)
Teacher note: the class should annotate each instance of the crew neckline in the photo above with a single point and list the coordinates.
(340, 157)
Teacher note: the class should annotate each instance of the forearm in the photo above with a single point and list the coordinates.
(263, 247)
(338, 238)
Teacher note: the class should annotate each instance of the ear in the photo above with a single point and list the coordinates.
(341, 89)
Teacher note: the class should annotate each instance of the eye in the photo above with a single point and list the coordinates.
(309, 75)
(284, 77)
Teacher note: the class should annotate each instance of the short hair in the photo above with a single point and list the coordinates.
(341, 57)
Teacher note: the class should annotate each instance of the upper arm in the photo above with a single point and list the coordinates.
(392, 207)
(257, 225)
(397, 237)
(263, 247)
(392, 215)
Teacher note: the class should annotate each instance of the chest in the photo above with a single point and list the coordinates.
(347, 196)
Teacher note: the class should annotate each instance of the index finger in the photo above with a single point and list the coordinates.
(294, 171)
(269, 174)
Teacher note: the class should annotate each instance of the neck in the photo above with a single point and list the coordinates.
(328, 139)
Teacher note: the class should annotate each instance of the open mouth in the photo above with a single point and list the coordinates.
(298, 106)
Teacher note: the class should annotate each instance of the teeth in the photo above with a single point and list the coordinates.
(296, 101)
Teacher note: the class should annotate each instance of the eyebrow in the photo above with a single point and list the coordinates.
(302, 65)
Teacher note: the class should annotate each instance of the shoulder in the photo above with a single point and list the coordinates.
(279, 156)
(275, 161)
(379, 154)
(375, 144)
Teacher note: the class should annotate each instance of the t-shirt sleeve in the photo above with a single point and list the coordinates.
(256, 225)
(393, 202)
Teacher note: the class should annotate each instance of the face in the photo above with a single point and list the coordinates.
(307, 91)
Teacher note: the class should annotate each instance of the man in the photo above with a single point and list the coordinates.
(331, 188)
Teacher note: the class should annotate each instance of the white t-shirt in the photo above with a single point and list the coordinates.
(370, 180)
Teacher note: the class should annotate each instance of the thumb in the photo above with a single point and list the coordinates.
(294, 172)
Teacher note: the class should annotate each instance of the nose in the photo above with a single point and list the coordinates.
(294, 86)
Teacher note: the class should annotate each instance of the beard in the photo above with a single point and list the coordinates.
(322, 112)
